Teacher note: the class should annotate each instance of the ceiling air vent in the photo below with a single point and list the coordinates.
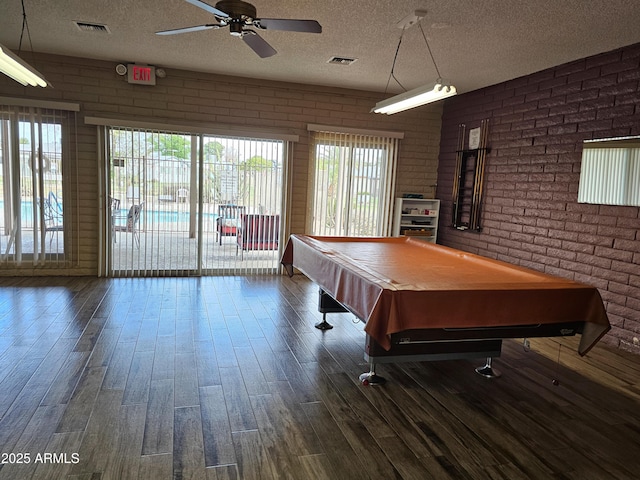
(92, 27)
(342, 60)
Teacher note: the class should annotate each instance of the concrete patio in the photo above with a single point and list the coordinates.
(170, 253)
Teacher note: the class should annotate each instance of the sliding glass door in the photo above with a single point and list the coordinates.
(192, 204)
(242, 204)
(35, 222)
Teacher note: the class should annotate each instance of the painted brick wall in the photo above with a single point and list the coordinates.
(530, 215)
(192, 97)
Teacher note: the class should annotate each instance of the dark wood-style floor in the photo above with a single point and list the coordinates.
(225, 377)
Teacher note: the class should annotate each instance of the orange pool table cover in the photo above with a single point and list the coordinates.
(400, 283)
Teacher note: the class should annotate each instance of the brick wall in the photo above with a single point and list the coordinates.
(530, 214)
(192, 97)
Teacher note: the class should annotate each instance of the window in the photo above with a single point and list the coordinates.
(610, 172)
(352, 181)
(35, 193)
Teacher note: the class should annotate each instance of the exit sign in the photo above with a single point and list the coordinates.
(141, 74)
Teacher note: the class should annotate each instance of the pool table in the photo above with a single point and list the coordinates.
(422, 301)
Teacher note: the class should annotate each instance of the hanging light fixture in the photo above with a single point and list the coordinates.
(415, 98)
(418, 96)
(13, 66)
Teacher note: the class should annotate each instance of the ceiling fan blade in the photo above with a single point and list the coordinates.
(258, 44)
(208, 8)
(197, 28)
(306, 26)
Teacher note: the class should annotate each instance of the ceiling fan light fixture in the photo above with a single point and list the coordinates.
(238, 16)
(415, 98)
(19, 70)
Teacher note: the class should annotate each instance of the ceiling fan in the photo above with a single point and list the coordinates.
(239, 16)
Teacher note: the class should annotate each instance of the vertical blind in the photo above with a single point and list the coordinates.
(149, 199)
(610, 172)
(38, 186)
(184, 203)
(352, 181)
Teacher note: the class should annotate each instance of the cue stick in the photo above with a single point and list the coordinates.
(476, 179)
(456, 183)
(484, 134)
(485, 141)
(480, 178)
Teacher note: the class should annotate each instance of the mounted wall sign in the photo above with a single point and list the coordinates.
(474, 138)
(141, 74)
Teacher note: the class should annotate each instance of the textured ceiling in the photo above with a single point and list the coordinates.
(475, 42)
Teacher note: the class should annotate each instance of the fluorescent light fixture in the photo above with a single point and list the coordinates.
(415, 98)
(16, 68)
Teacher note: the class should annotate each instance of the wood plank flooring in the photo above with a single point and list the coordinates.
(225, 378)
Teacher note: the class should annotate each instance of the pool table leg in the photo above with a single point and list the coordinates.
(487, 370)
(371, 378)
(324, 325)
(327, 304)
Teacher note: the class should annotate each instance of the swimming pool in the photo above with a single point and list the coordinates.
(147, 216)
(162, 216)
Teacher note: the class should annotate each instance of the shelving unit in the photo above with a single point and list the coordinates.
(417, 217)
